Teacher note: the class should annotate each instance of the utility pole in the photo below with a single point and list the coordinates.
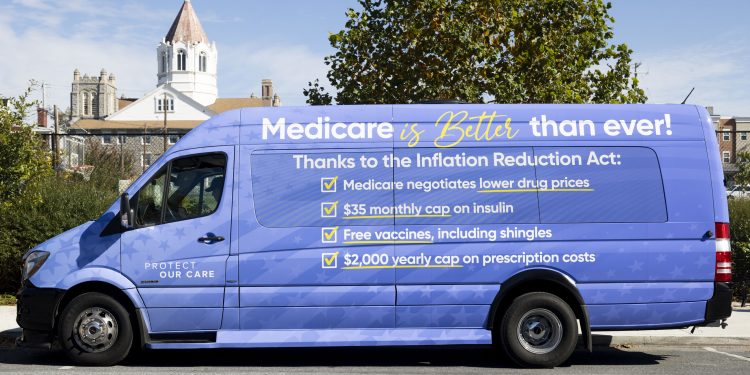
(143, 158)
(122, 157)
(55, 144)
(164, 107)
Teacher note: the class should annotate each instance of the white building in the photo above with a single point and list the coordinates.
(186, 94)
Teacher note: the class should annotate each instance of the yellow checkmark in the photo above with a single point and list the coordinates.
(330, 260)
(328, 234)
(329, 185)
(330, 207)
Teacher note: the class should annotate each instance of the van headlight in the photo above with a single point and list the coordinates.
(32, 263)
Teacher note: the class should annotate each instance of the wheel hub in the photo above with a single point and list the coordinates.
(539, 331)
(96, 330)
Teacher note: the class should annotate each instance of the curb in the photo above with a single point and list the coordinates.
(8, 339)
(608, 340)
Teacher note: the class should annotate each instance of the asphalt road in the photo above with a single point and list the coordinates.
(391, 361)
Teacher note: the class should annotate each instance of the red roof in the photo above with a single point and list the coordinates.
(186, 27)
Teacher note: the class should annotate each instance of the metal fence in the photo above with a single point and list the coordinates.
(125, 154)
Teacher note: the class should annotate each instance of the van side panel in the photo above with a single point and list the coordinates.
(289, 278)
(631, 263)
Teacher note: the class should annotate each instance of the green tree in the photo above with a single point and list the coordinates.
(742, 177)
(24, 163)
(511, 51)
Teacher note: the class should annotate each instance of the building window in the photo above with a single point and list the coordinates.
(743, 136)
(726, 156)
(202, 62)
(147, 159)
(94, 104)
(146, 140)
(109, 139)
(173, 139)
(164, 62)
(73, 160)
(181, 60)
(86, 104)
(725, 134)
(160, 104)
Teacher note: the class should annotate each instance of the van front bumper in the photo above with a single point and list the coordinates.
(36, 309)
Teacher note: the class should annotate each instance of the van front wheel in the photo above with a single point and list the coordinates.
(538, 330)
(95, 329)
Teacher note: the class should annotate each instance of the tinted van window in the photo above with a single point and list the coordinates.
(194, 188)
(320, 188)
(601, 185)
(466, 186)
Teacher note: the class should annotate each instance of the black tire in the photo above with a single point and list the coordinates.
(550, 330)
(108, 322)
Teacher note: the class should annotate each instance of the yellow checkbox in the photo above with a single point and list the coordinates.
(328, 209)
(328, 184)
(329, 260)
(329, 234)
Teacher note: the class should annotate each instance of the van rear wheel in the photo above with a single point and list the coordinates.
(95, 330)
(538, 330)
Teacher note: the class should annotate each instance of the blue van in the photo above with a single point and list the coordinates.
(398, 225)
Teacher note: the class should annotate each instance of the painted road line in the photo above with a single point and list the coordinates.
(712, 350)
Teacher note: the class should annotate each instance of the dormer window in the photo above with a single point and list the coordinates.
(181, 60)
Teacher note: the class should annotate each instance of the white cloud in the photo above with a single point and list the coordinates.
(720, 75)
(121, 38)
(34, 4)
(48, 57)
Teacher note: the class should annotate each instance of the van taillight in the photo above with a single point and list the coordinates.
(723, 254)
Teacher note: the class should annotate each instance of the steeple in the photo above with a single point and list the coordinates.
(186, 60)
(186, 27)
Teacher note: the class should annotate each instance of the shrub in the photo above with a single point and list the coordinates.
(111, 164)
(24, 163)
(739, 223)
(66, 203)
(739, 219)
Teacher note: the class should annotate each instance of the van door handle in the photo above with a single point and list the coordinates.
(211, 239)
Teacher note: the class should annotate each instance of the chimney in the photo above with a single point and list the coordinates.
(41, 117)
(710, 110)
(267, 92)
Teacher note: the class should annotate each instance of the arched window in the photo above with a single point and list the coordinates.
(94, 104)
(164, 62)
(181, 60)
(202, 62)
(86, 105)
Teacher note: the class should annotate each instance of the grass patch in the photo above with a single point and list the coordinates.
(7, 299)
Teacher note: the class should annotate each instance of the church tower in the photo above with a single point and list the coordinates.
(93, 97)
(187, 60)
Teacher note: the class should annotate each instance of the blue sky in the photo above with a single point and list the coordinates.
(680, 44)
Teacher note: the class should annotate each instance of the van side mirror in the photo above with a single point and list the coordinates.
(126, 214)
